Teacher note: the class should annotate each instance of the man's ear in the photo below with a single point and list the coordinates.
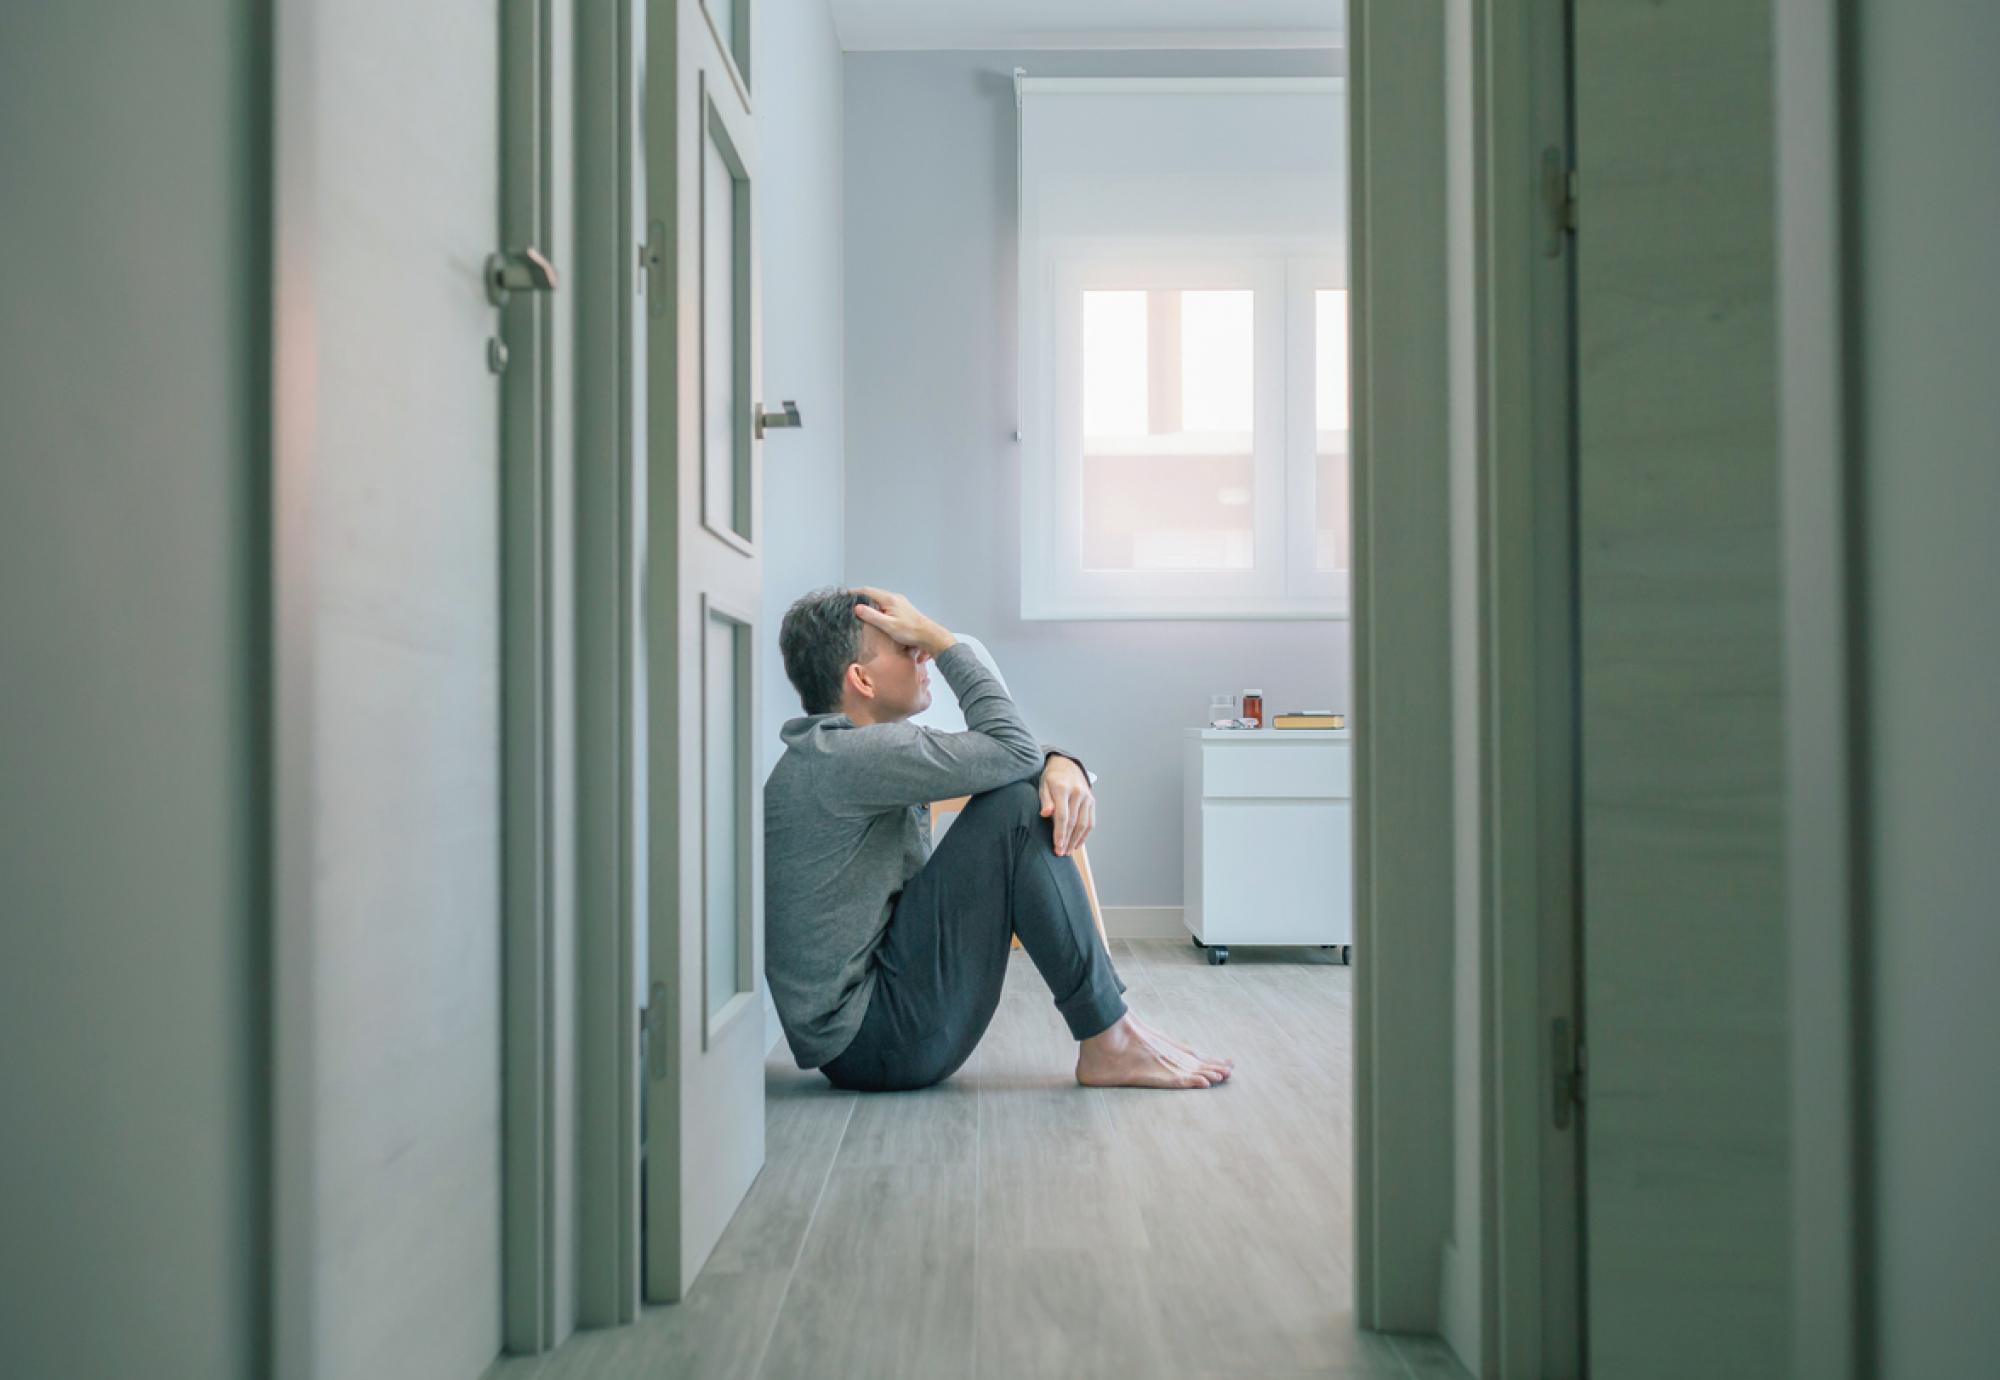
(858, 680)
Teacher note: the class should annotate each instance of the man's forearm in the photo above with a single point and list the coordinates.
(987, 707)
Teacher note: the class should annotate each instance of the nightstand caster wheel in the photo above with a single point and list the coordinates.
(1218, 954)
(1347, 954)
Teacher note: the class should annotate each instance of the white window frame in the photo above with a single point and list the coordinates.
(1304, 277)
(1284, 582)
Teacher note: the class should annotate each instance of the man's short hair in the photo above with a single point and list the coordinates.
(819, 639)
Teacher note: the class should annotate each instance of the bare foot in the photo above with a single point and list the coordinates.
(1129, 1056)
(1158, 1034)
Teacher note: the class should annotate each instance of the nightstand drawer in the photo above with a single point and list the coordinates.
(1319, 769)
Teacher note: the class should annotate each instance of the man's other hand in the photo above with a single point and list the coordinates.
(1066, 795)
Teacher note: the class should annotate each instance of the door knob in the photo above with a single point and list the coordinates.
(519, 270)
(768, 419)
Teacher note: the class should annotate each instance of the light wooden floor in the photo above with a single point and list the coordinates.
(1009, 1223)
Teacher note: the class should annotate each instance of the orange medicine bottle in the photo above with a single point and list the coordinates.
(1253, 707)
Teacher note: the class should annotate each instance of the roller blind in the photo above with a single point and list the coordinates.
(1161, 160)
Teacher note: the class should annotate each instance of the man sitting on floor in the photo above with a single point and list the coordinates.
(884, 958)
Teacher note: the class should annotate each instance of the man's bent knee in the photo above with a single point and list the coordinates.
(1018, 799)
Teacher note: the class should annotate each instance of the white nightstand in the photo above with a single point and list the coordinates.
(1269, 838)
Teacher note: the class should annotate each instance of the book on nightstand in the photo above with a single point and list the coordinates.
(1309, 718)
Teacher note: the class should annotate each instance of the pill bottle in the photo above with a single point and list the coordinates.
(1253, 707)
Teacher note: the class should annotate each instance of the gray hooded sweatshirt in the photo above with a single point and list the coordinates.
(847, 824)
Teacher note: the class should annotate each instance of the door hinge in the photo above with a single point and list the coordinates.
(1559, 197)
(653, 1032)
(1567, 1072)
(653, 269)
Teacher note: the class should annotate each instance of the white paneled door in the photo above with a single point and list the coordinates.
(392, 590)
(701, 591)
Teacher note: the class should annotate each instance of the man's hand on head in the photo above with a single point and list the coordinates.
(1066, 796)
(903, 621)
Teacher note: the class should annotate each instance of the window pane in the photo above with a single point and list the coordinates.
(1330, 520)
(1217, 365)
(723, 903)
(1169, 401)
(1167, 512)
(1114, 364)
(1330, 516)
(1330, 358)
(725, 457)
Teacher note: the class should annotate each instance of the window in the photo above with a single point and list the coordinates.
(1199, 440)
(1184, 353)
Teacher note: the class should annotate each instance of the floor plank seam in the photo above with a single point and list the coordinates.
(805, 1235)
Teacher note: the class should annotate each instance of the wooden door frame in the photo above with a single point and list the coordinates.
(625, 529)
(536, 617)
(1825, 706)
(609, 445)
(1524, 274)
(1401, 660)
(291, 1069)
(1405, 1123)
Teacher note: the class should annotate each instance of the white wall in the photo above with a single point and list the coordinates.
(799, 126)
(1929, 352)
(132, 324)
(932, 471)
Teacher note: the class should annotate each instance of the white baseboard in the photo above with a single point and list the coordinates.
(1144, 922)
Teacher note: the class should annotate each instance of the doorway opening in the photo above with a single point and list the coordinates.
(1204, 505)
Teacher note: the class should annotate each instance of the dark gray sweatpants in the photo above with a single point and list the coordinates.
(941, 964)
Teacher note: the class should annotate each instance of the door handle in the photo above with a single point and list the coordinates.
(768, 419)
(518, 270)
